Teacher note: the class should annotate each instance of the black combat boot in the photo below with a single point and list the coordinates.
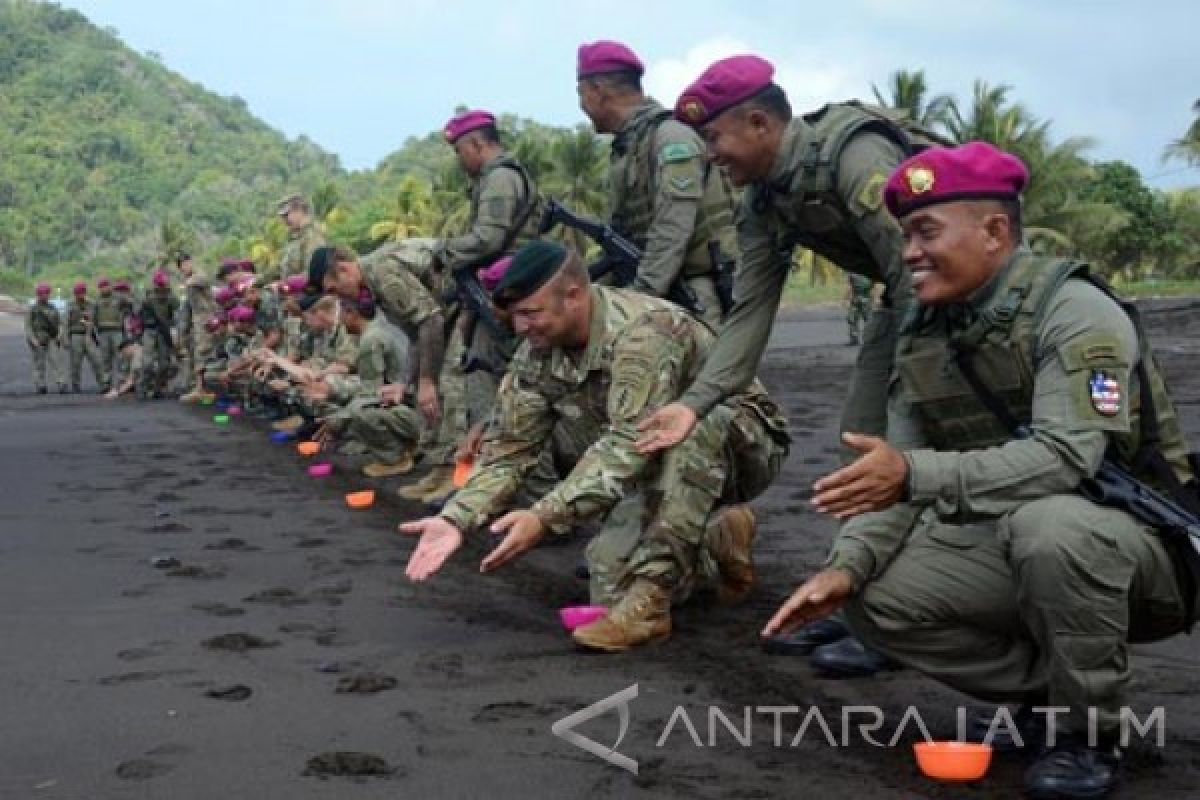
(1073, 771)
(849, 658)
(804, 640)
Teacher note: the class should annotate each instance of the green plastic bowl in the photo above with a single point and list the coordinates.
(221, 419)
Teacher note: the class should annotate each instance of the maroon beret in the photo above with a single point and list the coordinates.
(606, 56)
(240, 314)
(79, 288)
(462, 124)
(103, 283)
(722, 86)
(973, 171)
(42, 289)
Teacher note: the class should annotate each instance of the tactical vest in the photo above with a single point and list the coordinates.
(814, 190)
(43, 321)
(635, 188)
(163, 308)
(1002, 346)
(75, 318)
(108, 313)
(528, 216)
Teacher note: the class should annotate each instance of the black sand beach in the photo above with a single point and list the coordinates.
(286, 644)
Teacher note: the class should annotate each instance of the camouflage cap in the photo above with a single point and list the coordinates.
(291, 201)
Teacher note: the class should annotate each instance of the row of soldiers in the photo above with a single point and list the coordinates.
(993, 390)
(124, 339)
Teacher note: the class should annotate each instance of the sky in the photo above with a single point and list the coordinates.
(359, 76)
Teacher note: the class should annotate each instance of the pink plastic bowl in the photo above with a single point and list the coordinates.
(234, 411)
(577, 616)
(320, 470)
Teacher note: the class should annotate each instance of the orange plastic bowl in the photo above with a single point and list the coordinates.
(953, 761)
(308, 448)
(462, 471)
(363, 499)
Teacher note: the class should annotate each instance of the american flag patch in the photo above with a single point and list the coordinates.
(1105, 393)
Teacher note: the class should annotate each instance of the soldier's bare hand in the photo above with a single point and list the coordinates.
(665, 428)
(873, 482)
(391, 394)
(427, 401)
(439, 540)
(818, 597)
(523, 530)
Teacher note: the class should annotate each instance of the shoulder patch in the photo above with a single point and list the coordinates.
(871, 196)
(677, 151)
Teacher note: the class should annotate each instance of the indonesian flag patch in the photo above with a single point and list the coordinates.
(1105, 393)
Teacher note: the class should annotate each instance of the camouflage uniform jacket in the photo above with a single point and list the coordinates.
(641, 353)
(296, 253)
(380, 360)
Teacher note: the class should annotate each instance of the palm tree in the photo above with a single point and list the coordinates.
(174, 239)
(1187, 147)
(580, 171)
(450, 199)
(266, 246)
(907, 92)
(410, 213)
(327, 203)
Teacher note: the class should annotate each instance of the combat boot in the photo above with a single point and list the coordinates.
(642, 616)
(1073, 770)
(387, 470)
(732, 547)
(436, 477)
(289, 424)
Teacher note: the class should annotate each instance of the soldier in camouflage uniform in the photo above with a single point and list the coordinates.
(80, 330)
(43, 331)
(595, 359)
(970, 550)
(304, 237)
(858, 306)
(505, 214)
(371, 409)
(814, 181)
(666, 197)
(108, 316)
(198, 306)
(160, 307)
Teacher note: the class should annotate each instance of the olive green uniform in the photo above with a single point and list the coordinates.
(198, 306)
(505, 214)
(836, 210)
(296, 253)
(108, 315)
(159, 310)
(672, 203)
(80, 325)
(43, 329)
(996, 576)
(641, 352)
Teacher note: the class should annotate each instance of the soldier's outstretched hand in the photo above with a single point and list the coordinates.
(819, 596)
(523, 530)
(439, 540)
(873, 482)
(665, 428)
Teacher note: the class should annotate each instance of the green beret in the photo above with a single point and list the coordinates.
(532, 266)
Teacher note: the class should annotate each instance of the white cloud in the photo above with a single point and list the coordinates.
(809, 79)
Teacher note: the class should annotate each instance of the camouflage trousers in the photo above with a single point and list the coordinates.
(865, 409)
(110, 355)
(662, 532)
(81, 347)
(1041, 604)
(857, 315)
(47, 357)
(466, 389)
(388, 434)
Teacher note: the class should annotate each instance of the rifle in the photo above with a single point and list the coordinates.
(621, 256)
(723, 267)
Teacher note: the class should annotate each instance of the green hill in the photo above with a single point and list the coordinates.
(102, 146)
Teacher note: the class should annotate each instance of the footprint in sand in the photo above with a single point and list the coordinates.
(365, 683)
(142, 676)
(238, 642)
(143, 769)
(348, 764)
(278, 596)
(219, 609)
(167, 527)
(196, 572)
(231, 694)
